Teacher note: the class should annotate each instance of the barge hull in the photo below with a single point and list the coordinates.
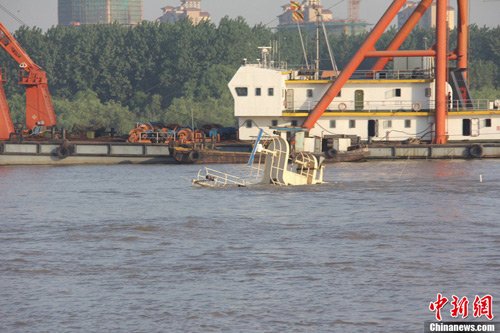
(429, 151)
(34, 153)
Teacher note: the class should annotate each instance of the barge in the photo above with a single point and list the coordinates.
(424, 98)
(39, 153)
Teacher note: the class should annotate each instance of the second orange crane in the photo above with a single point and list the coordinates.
(39, 107)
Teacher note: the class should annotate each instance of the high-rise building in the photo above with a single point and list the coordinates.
(76, 12)
(190, 9)
(429, 19)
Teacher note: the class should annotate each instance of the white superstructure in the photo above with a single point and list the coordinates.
(392, 105)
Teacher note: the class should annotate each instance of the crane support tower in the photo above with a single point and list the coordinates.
(439, 52)
(39, 108)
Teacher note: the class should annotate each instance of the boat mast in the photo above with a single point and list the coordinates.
(318, 16)
(303, 46)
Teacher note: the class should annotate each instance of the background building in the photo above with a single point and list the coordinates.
(190, 9)
(310, 11)
(428, 21)
(76, 12)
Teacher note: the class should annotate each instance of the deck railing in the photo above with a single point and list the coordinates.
(401, 106)
(392, 75)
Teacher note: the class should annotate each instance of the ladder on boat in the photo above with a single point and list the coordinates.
(460, 89)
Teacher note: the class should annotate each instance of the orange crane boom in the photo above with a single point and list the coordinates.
(39, 108)
(6, 125)
(440, 54)
(356, 60)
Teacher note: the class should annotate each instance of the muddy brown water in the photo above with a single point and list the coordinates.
(138, 249)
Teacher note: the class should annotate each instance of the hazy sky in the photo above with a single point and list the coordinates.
(43, 13)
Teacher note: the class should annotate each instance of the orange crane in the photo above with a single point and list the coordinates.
(39, 108)
(440, 53)
(6, 125)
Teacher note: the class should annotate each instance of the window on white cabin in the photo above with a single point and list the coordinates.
(249, 123)
(241, 91)
(258, 91)
(309, 93)
(407, 123)
(352, 123)
(333, 123)
(270, 92)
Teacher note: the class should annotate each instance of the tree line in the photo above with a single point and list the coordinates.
(113, 76)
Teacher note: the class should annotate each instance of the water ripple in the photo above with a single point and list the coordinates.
(137, 249)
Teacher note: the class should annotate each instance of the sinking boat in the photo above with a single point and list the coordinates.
(280, 167)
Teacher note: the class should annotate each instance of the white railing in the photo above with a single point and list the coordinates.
(475, 104)
(368, 106)
(392, 74)
(213, 178)
(399, 106)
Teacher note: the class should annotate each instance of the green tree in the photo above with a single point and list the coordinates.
(482, 74)
(86, 112)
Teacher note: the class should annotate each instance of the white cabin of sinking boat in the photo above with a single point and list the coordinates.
(389, 105)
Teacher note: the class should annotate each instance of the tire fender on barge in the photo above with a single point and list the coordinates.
(64, 150)
(476, 151)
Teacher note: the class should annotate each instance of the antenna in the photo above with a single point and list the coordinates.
(265, 55)
(11, 14)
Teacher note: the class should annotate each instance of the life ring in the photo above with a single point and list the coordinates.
(416, 106)
(194, 156)
(476, 151)
(331, 153)
(342, 106)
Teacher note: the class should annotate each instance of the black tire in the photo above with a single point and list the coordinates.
(194, 156)
(476, 151)
(64, 150)
(331, 153)
(2, 147)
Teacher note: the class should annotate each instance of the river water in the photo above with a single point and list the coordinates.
(138, 249)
